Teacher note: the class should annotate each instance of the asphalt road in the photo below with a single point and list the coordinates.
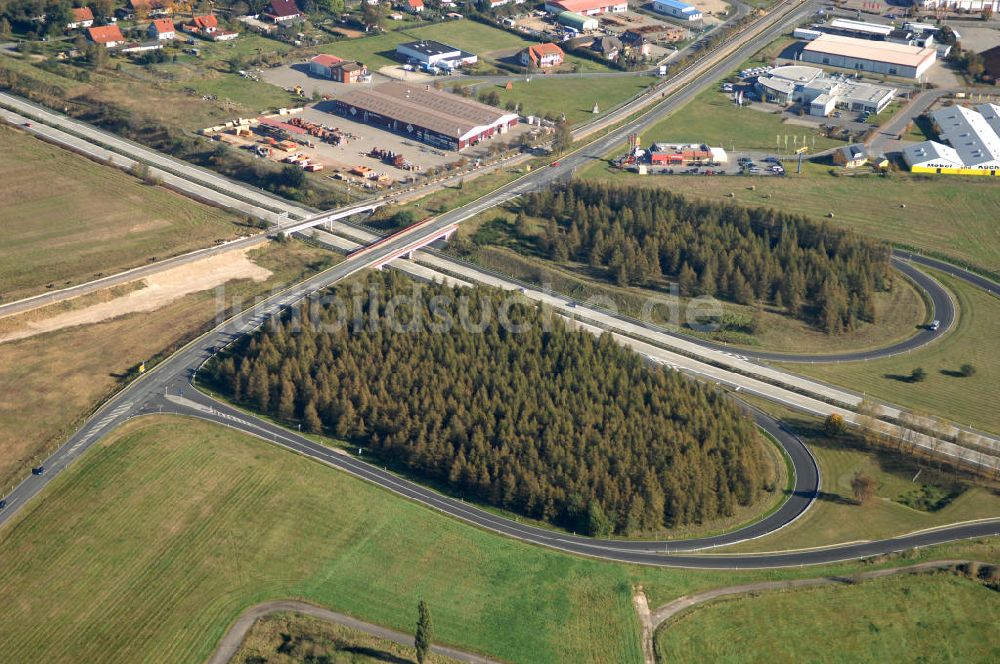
(968, 276)
(943, 310)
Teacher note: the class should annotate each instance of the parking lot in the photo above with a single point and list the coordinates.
(756, 164)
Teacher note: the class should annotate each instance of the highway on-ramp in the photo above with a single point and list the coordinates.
(167, 388)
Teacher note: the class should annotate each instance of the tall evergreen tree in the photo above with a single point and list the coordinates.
(425, 632)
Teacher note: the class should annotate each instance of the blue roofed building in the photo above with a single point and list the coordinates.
(676, 9)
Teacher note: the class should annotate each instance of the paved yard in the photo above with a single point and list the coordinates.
(977, 38)
(367, 137)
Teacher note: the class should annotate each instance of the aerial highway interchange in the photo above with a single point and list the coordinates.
(168, 387)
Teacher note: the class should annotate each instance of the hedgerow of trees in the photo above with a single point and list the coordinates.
(820, 274)
(552, 424)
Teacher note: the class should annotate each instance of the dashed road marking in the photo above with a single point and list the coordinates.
(101, 424)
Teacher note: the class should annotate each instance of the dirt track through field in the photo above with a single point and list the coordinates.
(160, 289)
(681, 604)
(232, 639)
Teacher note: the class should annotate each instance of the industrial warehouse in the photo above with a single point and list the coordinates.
(973, 142)
(432, 116)
(586, 7)
(430, 53)
(872, 56)
(820, 94)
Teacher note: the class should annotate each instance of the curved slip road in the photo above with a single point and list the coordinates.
(978, 280)
(942, 309)
(941, 304)
(232, 639)
(690, 553)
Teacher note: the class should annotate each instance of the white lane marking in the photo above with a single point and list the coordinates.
(101, 424)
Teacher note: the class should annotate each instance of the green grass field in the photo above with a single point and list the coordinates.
(153, 543)
(934, 618)
(573, 96)
(836, 517)
(949, 215)
(188, 523)
(712, 118)
(472, 36)
(379, 50)
(971, 401)
(67, 219)
(247, 46)
(255, 95)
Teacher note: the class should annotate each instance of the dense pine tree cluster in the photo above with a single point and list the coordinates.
(547, 421)
(823, 275)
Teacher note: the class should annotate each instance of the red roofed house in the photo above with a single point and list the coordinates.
(280, 11)
(542, 55)
(415, 6)
(109, 35)
(82, 18)
(161, 29)
(207, 26)
(335, 69)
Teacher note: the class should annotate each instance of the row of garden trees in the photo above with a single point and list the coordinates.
(826, 276)
(554, 424)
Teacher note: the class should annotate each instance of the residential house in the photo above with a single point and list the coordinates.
(108, 35)
(609, 47)
(282, 11)
(81, 17)
(161, 29)
(207, 27)
(414, 6)
(636, 43)
(851, 156)
(542, 56)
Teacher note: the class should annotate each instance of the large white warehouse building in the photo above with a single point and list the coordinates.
(820, 94)
(964, 5)
(973, 142)
(870, 56)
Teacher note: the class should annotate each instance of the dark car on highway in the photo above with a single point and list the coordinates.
(3, 504)
(40, 470)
